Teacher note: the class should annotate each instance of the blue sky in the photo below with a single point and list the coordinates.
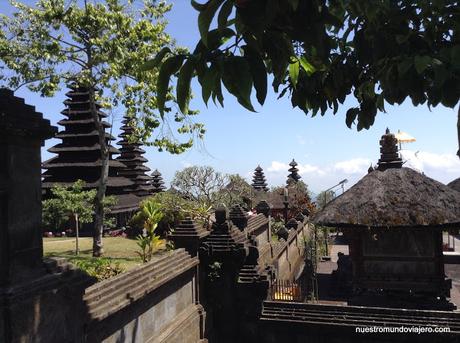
(327, 151)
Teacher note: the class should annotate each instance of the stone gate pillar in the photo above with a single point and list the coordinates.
(22, 133)
(36, 304)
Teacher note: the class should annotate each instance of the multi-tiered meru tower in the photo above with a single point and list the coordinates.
(258, 181)
(157, 182)
(131, 156)
(79, 153)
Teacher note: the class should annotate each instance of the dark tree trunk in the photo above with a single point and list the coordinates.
(98, 201)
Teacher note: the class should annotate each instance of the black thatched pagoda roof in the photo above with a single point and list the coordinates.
(157, 182)
(392, 196)
(293, 173)
(79, 155)
(131, 156)
(259, 182)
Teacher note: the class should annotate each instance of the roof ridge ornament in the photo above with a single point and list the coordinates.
(293, 176)
(389, 156)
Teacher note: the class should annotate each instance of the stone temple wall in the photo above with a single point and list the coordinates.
(309, 322)
(51, 301)
(156, 302)
(287, 255)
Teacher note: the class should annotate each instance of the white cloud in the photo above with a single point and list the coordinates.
(353, 166)
(277, 166)
(426, 161)
(308, 168)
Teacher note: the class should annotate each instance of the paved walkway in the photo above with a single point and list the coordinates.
(339, 245)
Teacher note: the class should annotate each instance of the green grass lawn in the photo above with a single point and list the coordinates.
(117, 249)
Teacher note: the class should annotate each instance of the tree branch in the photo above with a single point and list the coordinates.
(80, 48)
(25, 83)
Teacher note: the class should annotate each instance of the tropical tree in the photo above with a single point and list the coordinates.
(321, 52)
(237, 191)
(74, 201)
(54, 214)
(200, 184)
(98, 45)
(299, 197)
(207, 187)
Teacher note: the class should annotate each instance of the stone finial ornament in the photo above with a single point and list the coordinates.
(221, 215)
(263, 207)
(188, 235)
(292, 224)
(283, 233)
(389, 157)
(238, 217)
(305, 212)
(300, 217)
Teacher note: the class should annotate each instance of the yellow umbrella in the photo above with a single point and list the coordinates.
(404, 137)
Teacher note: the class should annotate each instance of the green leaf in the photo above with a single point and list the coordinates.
(258, 72)
(400, 39)
(217, 93)
(440, 76)
(404, 66)
(169, 67)
(156, 61)
(183, 85)
(294, 72)
(455, 56)
(222, 18)
(209, 81)
(237, 79)
(218, 37)
(351, 116)
(307, 66)
(294, 4)
(205, 18)
(199, 7)
(421, 63)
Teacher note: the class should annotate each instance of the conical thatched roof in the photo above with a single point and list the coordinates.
(397, 197)
(455, 184)
(392, 196)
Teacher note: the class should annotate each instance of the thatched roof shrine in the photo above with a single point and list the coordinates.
(393, 196)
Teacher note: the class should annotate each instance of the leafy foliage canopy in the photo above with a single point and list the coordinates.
(321, 52)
